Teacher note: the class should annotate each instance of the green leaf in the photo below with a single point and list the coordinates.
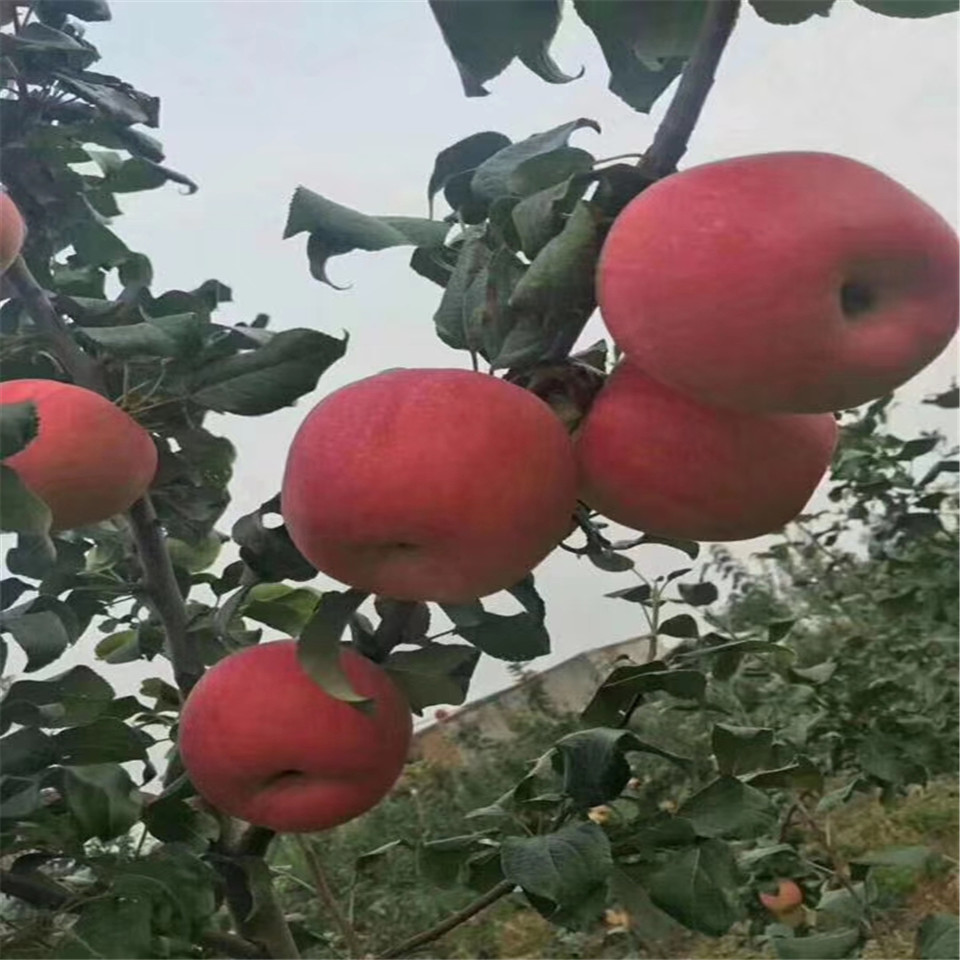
(791, 11)
(818, 673)
(729, 808)
(271, 377)
(92, 11)
(562, 867)
(911, 8)
(698, 594)
(172, 820)
(626, 686)
(109, 928)
(910, 858)
(645, 44)
(548, 170)
(436, 673)
(268, 551)
(741, 749)
(114, 99)
(96, 244)
(463, 156)
(518, 637)
(554, 298)
(103, 741)
(21, 511)
(102, 799)
(801, 775)
(43, 635)
(484, 36)
(18, 426)
(335, 229)
(937, 937)
(594, 765)
(698, 887)
(540, 216)
(77, 696)
(823, 946)
(492, 179)
(460, 313)
(27, 751)
(682, 625)
(318, 649)
(284, 608)
(180, 335)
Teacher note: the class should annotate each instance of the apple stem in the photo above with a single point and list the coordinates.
(160, 581)
(672, 136)
(325, 894)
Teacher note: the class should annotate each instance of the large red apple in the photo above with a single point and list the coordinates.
(12, 231)
(784, 282)
(787, 898)
(89, 460)
(262, 742)
(658, 461)
(441, 485)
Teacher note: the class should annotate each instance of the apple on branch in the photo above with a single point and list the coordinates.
(442, 485)
(780, 283)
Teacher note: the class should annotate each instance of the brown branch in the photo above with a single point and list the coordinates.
(161, 584)
(354, 947)
(230, 945)
(454, 920)
(672, 136)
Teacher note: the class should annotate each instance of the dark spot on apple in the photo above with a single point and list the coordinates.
(856, 299)
(403, 545)
(284, 775)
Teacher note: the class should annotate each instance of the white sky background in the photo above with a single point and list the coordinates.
(355, 99)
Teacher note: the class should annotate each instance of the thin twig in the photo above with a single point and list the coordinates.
(672, 136)
(454, 920)
(326, 895)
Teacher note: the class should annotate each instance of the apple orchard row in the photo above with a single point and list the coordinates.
(751, 298)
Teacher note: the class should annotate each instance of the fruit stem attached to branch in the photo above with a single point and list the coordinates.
(163, 591)
(672, 136)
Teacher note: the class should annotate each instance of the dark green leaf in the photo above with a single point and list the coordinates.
(682, 625)
(645, 44)
(268, 378)
(180, 335)
(492, 179)
(801, 775)
(548, 169)
(103, 741)
(102, 799)
(436, 673)
(335, 229)
(43, 636)
(319, 646)
(698, 594)
(561, 867)
(540, 216)
(625, 687)
(484, 36)
(269, 551)
(639, 594)
(938, 936)
(791, 11)
(463, 156)
(909, 858)
(284, 608)
(92, 11)
(823, 946)
(109, 928)
(698, 887)
(77, 696)
(116, 100)
(911, 8)
(21, 511)
(18, 426)
(729, 808)
(27, 751)
(459, 316)
(741, 749)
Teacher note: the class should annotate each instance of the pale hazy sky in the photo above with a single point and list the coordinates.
(354, 100)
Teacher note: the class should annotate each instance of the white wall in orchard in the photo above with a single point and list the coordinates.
(355, 100)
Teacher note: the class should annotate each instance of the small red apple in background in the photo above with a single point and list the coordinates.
(12, 231)
(441, 485)
(89, 460)
(783, 282)
(261, 741)
(657, 461)
(787, 898)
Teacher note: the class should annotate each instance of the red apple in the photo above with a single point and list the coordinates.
(12, 231)
(261, 741)
(658, 461)
(89, 460)
(784, 282)
(441, 485)
(788, 897)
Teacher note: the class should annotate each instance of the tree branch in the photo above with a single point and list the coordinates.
(672, 136)
(161, 584)
(454, 920)
(325, 894)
